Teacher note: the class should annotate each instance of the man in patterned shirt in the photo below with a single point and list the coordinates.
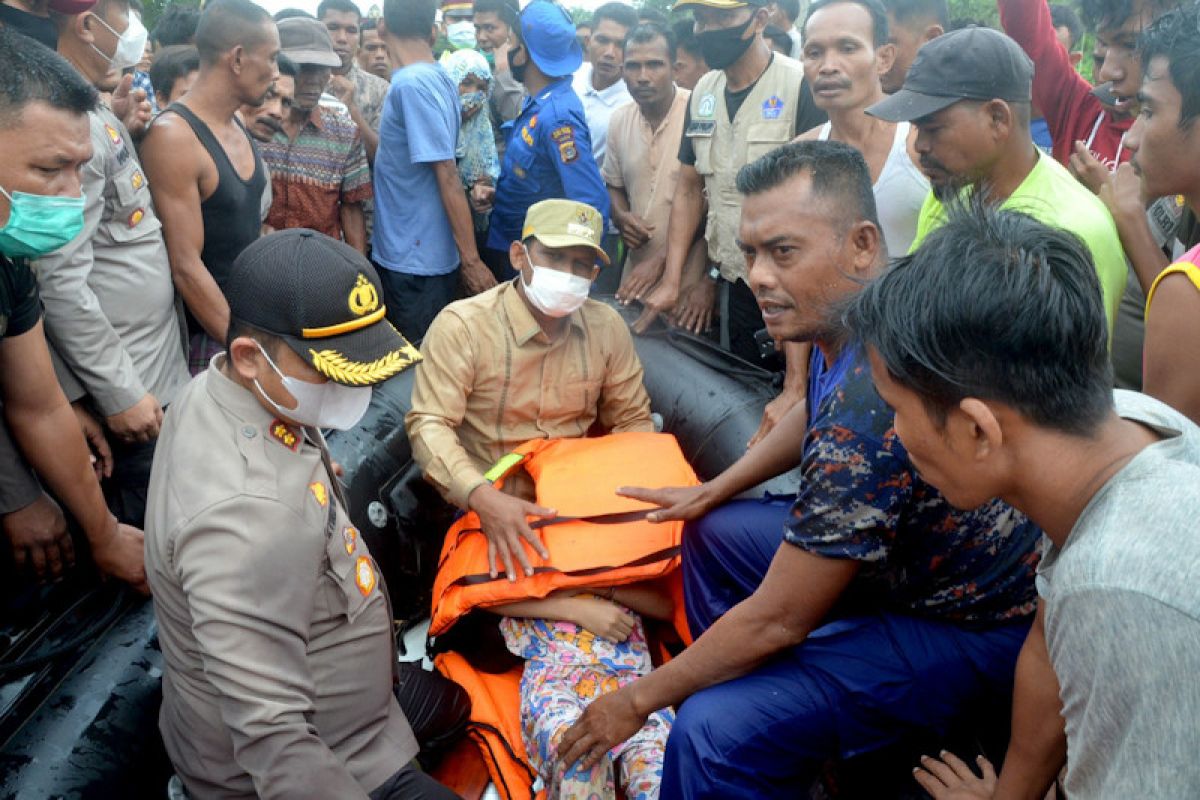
(319, 173)
(864, 610)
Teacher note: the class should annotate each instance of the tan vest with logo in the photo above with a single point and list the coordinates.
(766, 120)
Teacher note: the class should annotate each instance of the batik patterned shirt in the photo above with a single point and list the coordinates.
(315, 173)
(861, 498)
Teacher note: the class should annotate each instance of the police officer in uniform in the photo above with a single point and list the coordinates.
(549, 152)
(275, 630)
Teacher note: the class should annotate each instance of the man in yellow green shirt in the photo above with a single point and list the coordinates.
(968, 93)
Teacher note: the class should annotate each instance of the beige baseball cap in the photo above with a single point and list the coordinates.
(565, 223)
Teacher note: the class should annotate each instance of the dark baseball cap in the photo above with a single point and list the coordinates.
(968, 64)
(324, 299)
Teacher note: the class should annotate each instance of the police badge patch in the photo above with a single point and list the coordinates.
(708, 106)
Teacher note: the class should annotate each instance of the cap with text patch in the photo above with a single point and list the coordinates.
(968, 64)
(324, 299)
(565, 223)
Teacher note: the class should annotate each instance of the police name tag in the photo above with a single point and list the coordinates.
(700, 127)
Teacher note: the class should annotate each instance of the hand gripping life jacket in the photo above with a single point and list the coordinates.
(598, 538)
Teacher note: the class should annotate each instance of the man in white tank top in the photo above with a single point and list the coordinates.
(846, 51)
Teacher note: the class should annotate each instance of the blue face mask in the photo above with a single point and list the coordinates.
(39, 224)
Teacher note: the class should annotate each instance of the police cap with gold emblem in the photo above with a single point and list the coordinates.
(324, 299)
(565, 223)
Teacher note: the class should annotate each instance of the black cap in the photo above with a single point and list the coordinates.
(324, 299)
(968, 64)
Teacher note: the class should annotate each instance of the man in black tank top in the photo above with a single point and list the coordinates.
(204, 171)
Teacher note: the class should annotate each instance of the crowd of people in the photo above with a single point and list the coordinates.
(974, 269)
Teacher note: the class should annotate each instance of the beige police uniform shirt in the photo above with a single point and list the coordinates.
(275, 632)
(111, 315)
(491, 379)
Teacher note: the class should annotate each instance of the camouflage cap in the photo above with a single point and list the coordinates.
(565, 223)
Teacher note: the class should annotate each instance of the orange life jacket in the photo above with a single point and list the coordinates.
(598, 537)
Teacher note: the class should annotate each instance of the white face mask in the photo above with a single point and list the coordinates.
(320, 405)
(130, 44)
(555, 293)
(461, 34)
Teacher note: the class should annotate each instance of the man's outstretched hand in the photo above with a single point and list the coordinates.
(610, 720)
(676, 502)
(951, 779)
(503, 520)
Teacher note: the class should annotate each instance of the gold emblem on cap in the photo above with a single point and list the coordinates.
(363, 297)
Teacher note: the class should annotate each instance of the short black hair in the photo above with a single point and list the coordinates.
(649, 31)
(790, 9)
(504, 9)
(171, 64)
(647, 14)
(879, 20)
(345, 6)
(1101, 14)
(1063, 16)
(291, 13)
(1173, 37)
(34, 73)
(778, 38)
(287, 66)
(999, 306)
(685, 37)
(906, 11)
(176, 25)
(619, 13)
(225, 24)
(836, 170)
(409, 19)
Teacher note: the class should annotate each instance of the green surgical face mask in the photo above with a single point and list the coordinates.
(39, 224)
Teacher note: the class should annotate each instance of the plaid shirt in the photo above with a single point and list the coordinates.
(315, 173)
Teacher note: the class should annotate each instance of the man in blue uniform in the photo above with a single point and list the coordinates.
(549, 151)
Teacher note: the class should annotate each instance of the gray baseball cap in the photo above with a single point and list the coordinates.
(968, 64)
(306, 41)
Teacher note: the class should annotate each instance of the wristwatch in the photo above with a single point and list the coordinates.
(714, 273)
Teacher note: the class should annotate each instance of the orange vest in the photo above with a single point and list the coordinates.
(598, 537)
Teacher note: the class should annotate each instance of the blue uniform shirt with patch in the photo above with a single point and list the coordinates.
(861, 498)
(549, 155)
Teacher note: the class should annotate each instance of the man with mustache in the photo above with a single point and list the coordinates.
(969, 95)
(846, 51)
(319, 173)
(865, 611)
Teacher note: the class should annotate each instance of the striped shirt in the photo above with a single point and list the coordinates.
(313, 174)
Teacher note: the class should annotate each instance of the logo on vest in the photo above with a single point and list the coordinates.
(772, 107)
(708, 106)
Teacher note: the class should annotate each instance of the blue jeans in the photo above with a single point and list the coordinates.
(856, 684)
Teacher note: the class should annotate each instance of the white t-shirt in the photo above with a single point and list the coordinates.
(598, 106)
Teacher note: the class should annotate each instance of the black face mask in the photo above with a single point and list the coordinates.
(724, 46)
(517, 70)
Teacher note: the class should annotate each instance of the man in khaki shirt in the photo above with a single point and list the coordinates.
(529, 359)
(275, 630)
(641, 168)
